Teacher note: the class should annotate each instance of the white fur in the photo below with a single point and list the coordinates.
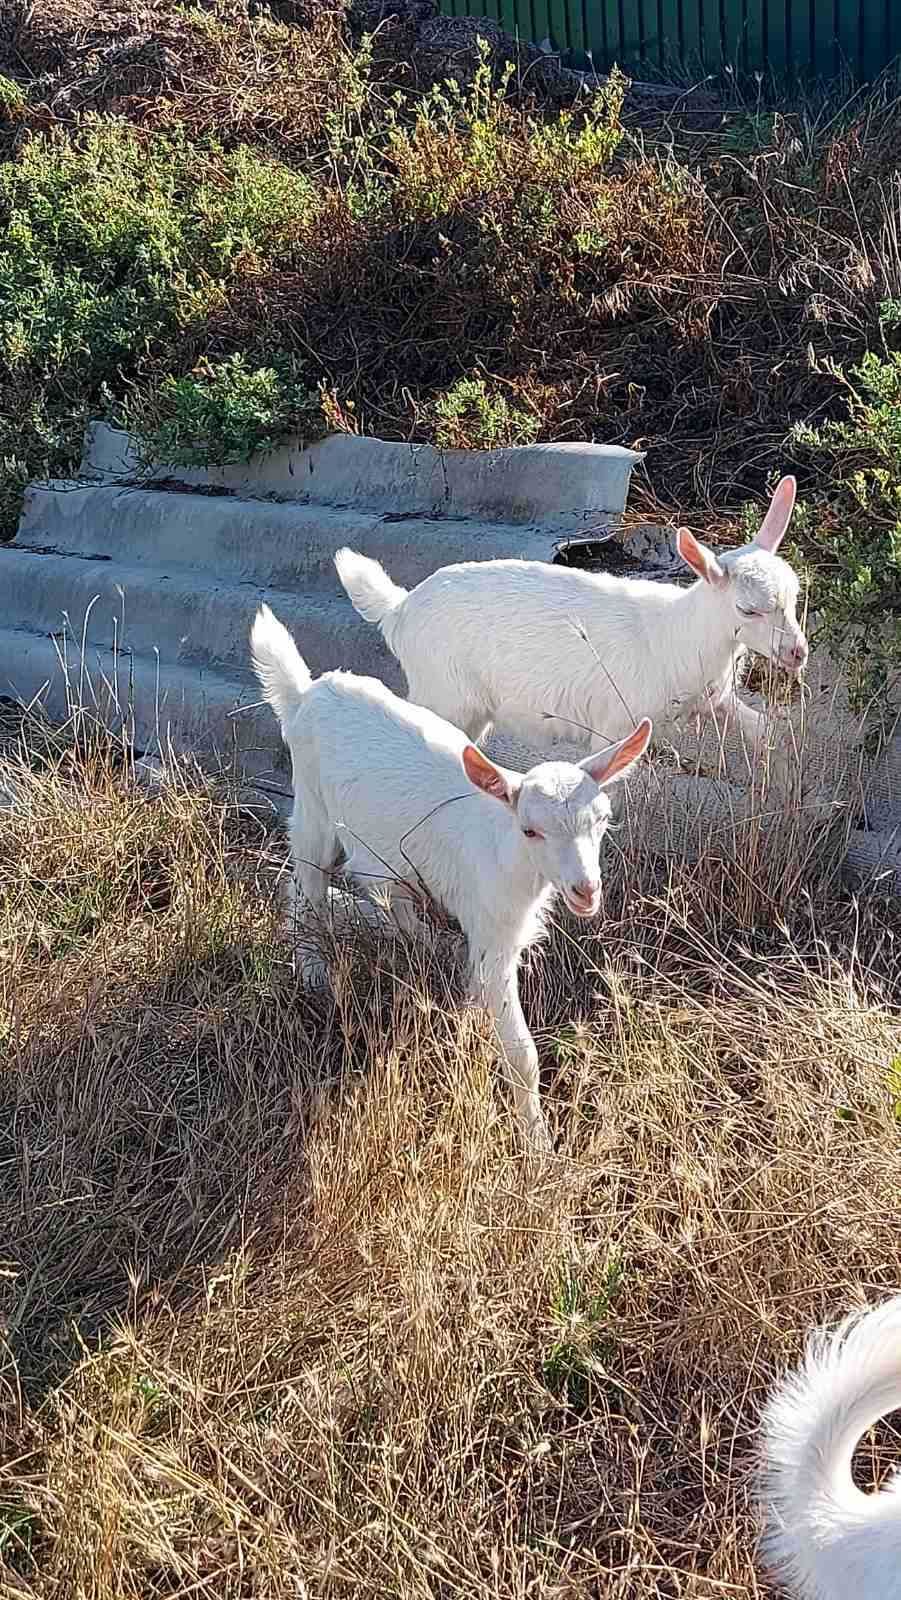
(514, 641)
(824, 1538)
(414, 805)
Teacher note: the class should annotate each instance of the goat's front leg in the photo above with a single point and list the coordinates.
(754, 728)
(408, 921)
(728, 711)
(500, 993)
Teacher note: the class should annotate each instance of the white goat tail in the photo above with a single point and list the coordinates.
(372, 593)
(824, 1538)
(281, 669)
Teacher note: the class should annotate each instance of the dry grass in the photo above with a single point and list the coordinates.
(285, 1314)
(210, 68)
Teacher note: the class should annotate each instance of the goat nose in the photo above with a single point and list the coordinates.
(585, 891)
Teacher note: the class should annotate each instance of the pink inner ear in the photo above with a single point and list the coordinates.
(484, 774)
(622, 755)
(496, 785)
(772, 529)
(687, 546)
(701, 561)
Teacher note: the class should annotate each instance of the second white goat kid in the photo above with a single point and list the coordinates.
(527, 642)
(408, 799)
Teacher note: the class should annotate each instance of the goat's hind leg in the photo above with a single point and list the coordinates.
(314, 850)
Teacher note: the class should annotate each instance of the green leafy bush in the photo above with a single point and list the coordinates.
(850, 529)
(115, 247)
(471, 417)
(456, 143)
(225, 412)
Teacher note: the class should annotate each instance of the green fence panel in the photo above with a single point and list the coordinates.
(788, 37)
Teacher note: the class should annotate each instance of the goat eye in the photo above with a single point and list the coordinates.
(532, 833)
(743, 611)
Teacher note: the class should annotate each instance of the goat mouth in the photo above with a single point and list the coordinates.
(582, 908)
(789, 664)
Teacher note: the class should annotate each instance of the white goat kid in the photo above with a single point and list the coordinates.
(383, 781)
(824, 1538)
(483, 642)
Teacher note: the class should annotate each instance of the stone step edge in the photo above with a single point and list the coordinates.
(44, 571)
(264, 540)
(577, 482)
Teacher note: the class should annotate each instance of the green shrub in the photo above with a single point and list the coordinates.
(115, 248)
(471, 417)
(850, 529)
(460, 144)
(225, 412)
(114, 240)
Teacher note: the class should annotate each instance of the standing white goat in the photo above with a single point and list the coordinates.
(824, 1538)
(481, 642)
(385, 781)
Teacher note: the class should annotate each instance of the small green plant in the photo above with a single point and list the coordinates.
(17, 1529)
(852, 529)
(226, 411)
(750, 132)
(453, 146)
(155, 1402)
(572, 146)
(469, 416)
(571, 1043)
(575, 1362)
(12, 97)
(463, 144)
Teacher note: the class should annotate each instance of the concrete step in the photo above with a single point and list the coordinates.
(883, 796)
(136, 599)
(261, 540)
(186, 707)
(559, 486)
(185, 616)
(181, 708)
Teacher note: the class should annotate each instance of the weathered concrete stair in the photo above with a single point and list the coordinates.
(137, 593)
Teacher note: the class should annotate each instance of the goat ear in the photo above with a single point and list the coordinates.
(701, 560)
(491, 779)
(774, 524)
(612, 763)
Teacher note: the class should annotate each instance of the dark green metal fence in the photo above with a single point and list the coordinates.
(794, 37)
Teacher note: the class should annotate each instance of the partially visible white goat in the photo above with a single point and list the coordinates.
(824, 1538)
(483, 642)
(386, 782)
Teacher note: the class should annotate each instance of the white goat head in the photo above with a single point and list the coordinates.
(760, 588)
(561, 812)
